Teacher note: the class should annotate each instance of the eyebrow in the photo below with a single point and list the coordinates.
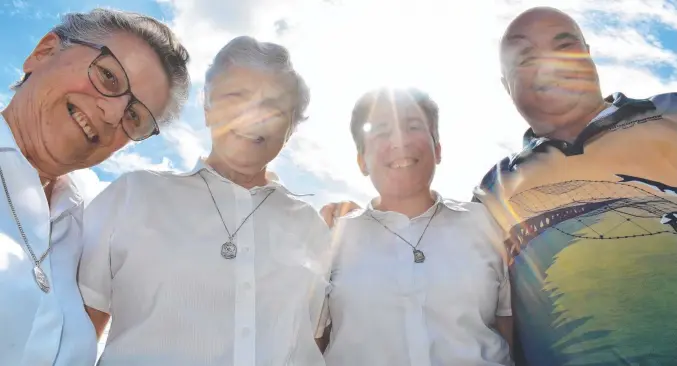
(566, 35)
(514, 37)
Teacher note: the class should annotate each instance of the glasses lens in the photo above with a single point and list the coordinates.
(138, 122)
(108, 76)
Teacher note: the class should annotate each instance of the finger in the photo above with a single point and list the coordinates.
(328, 212)
(348, 206)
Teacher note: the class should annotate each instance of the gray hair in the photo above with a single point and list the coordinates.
(247, 52)
(98, 24)
(364, 105)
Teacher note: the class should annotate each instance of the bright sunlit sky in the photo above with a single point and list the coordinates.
(345, 47)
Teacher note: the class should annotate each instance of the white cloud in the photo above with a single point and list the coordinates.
(346, 47)
(189, 143)
(125, 161)
(88, 184)
(4, 100)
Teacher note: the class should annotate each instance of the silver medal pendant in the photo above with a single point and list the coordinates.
(228, 250)
(419, 257)
(41, 279)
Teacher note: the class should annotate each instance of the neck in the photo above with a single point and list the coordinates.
(411, 206)
(23, 142)
(248, 181)
(12, 121)
(570, 131)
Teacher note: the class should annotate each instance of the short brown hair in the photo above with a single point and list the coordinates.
(364, 104)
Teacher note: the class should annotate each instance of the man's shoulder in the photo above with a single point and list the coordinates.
(666, 103)
(492, 178)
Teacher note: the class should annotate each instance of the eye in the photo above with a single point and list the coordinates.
(378, 130)
(132, 116)
(415, 124)
(107, 77)
(564, 46)
(527, 61)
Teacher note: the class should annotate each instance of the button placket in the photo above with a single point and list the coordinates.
(245, 277)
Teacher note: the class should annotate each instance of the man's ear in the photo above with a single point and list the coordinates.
(438, 153)
(48, 46)
(362, 164)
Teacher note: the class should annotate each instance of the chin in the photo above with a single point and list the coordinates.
(394, 188)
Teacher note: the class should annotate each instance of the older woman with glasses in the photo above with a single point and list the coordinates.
(92, 84)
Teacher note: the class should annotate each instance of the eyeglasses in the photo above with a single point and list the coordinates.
(110, 79)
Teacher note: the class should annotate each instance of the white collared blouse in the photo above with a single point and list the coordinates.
(387, 310)
(153, 261)
(37, 328)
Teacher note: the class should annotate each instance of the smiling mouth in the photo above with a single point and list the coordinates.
(84, 122)
(402, 163)
(253, 138)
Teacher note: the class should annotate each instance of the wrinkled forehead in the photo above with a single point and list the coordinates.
(533, 26)
(246, 84)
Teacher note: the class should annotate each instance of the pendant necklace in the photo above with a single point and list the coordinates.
(229, 249)
(38, 274)
(419, 257)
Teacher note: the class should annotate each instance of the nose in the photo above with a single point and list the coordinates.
(398, 137)
(113, 108)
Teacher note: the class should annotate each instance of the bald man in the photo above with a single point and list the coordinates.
(589, 206)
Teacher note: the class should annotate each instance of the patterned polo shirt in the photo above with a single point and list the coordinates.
(592, 231)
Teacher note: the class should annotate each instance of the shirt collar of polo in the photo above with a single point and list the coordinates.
(65, 194)
(439, 200)
(626, 108)
(272, 178)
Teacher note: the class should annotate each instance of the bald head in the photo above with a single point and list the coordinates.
(527, 25)
(539, 14)
(547, 69)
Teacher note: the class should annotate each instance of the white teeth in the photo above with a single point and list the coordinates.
(251, 137)
(83, 121)
(402, 163)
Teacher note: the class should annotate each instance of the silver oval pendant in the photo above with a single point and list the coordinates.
(41, 279)
(228, 250)
(419, 257)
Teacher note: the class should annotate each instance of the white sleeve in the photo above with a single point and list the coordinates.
(320, 239)
(504, 307)
(100, 221)
(497, 235)
(325, 319)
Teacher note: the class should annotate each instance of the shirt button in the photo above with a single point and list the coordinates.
(565, 145)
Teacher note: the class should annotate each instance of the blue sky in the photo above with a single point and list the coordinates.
(344, 47)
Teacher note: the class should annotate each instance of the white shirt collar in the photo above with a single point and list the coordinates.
(272, 178)
(439, 200)
(65, 196)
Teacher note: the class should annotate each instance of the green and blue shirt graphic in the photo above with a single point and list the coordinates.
(591, 227)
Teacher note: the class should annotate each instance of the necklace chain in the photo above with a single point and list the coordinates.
(232, 236)
(400, 236)
(36, 260)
